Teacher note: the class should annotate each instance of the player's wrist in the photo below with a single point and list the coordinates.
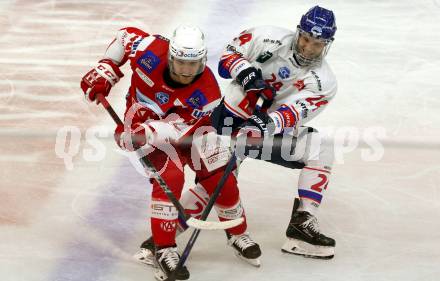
(109, 71)
(247, 77)
(239, 67)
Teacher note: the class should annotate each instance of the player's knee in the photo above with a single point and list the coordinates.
(318, 149)
(195, 200)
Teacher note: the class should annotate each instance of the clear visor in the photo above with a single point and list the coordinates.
(186, 68)
(309, 50)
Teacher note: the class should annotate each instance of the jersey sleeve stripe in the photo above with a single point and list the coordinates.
(234, 112)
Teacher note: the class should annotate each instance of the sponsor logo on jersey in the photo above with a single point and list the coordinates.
(284, 72)
(299, 85)
(168, 226)
(148, 61)
(267, 40)
(304, 109)
(264, 57)
(144, 77)
(318, 81)
(162, 97)
(197, 99)
(163, 211)
(199, 114)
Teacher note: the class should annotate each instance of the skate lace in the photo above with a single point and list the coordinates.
(312, 224)
(170, 256)
(143, 253)
(243, 241)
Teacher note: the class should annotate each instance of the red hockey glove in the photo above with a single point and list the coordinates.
(138, 136)
(253, 84)
(100, 79)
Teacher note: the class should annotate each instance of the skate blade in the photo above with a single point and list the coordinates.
(144, 258)
(159, 274)
(301, 248)
(162, 276)
(254, 262)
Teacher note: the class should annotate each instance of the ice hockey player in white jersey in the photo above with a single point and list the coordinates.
(288, 69)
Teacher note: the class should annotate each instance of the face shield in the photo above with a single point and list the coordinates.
(314, 36)
(309, 50)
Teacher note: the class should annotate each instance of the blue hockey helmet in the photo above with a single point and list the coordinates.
(320, 24)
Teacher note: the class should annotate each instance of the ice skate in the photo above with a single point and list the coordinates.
(165, 263)
(146, 252)
(245, 248)
(304, 237)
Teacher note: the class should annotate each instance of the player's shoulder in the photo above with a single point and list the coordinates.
(323, 77)
(269, 38)
(207, 78)
(131, 31)
(208, 83)
(154, 47)
(270, 34)
(270, 31)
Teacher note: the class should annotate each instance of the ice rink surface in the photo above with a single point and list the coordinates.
(83, 219)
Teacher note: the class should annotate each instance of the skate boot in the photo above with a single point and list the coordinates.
(304, 237)
(245, 248)
(146, 253)
(165, 262)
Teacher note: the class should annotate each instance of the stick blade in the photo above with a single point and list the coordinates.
(213, 225)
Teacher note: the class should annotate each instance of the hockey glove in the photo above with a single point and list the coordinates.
(100, 79)
(260, 122)
(138, 136)
(255, 129)
(253, 84)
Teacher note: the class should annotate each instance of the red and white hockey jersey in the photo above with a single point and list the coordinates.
(302, 92)
(151, 86)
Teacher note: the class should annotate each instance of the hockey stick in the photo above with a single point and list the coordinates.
(192, 240)
(193, 222)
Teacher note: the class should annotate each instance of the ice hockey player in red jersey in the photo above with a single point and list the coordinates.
(171, 89)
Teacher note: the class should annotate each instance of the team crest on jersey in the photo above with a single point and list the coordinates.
(197, 99)
(148, 61)
(284, 72)
(162, 97)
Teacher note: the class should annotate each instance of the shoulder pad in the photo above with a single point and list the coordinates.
(161, 37)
